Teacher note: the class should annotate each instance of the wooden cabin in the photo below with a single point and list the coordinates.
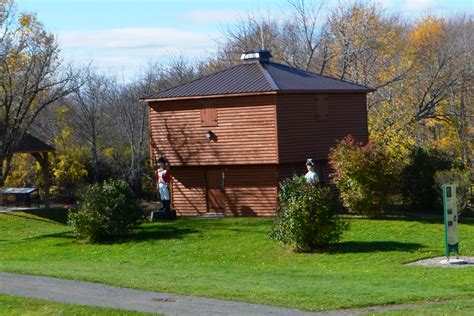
(231, 136)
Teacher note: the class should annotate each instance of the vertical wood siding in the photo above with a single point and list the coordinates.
(245, 131)
(302, 135)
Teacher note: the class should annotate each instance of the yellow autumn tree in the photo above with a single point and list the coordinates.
(440, 86)
(69, 166)
(25, 172)
(367, 49)
(31, 77)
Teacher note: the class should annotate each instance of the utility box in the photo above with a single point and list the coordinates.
(450, 207)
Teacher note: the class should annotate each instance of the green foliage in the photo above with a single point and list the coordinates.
(306, 216)
(365, 175)
(418, 178)
(68, 174)
(459, 177)
(107, 210)
(69, 166)
(149, 190)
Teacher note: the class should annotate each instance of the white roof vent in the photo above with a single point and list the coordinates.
(256, 55)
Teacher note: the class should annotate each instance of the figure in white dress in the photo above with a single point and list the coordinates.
(311, 176)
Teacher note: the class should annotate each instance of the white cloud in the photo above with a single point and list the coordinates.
(419, 5)
(126, 51)
(133, 38)
(212, 16)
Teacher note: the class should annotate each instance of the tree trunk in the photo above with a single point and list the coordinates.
(95, 159)
(43, 160)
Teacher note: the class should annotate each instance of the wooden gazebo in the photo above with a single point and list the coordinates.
(39, 150)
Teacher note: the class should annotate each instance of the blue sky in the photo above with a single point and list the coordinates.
(121, 37)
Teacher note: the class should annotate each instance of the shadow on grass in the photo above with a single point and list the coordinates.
(157, 232)
(404, 213)
(58, 215)
(373, 246)
(237, 224)
(140, 234)
(67, 235)
(424, 218)
(48, 215)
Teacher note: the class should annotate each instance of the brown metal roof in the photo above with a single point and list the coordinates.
(31, 144)
(258, 76)
(289, 79)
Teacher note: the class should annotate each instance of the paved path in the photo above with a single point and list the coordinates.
(86, 293)
(94, 294)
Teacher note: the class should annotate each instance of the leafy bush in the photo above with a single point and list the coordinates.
(306, 216)
(459, 177)
(68, 167)
(106, 210)
(364, 174)
(418, 178)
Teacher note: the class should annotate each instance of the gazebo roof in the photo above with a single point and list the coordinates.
(31, 144)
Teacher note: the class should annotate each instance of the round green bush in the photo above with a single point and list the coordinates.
(365, 175)
(306, 216)
(419, 188)
(107, 210)
(463, 180)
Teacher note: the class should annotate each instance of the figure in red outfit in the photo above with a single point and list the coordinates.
(163, 179)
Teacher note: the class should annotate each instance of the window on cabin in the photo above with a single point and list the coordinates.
(209, 115)
(321, 107)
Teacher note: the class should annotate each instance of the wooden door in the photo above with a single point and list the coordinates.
(215, 190)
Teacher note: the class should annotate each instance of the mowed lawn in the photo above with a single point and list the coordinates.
(234, 258)
(457, 307)
(13, 305)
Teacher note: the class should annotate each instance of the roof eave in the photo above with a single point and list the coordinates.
(208, 96)
(368, 90)
(32, 151)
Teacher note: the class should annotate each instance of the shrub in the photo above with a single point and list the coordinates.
(306, 216)
(418, 178)
(68, 172)
(459, 177)
(364, 174)
(106, 210)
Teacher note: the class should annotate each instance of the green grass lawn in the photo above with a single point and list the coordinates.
(234, 258)
(455, 307)
(12, 305)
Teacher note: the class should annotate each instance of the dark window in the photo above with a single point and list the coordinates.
(209, 115)
(321, 107)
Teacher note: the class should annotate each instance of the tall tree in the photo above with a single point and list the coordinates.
(299, 39)
(366, 44)
(434, 74)
(30, 77)
(444, 97)
(88, 108)
(130, 130)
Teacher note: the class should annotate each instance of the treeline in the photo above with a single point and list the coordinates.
(421, 68)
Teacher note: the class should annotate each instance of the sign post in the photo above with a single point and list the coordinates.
(450, 207)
